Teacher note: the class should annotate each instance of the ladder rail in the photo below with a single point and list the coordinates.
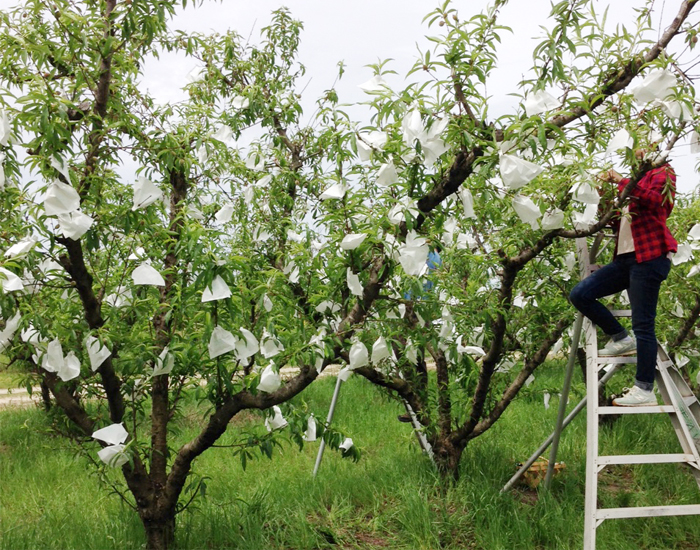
(681, 405)
(674, 396)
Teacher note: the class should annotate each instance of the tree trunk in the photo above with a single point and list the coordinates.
(45, 396)
(160, 531)
(447, 456)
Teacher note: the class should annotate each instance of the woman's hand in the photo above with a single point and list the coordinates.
(610, 176)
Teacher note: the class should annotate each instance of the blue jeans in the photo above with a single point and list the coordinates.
(642, 281)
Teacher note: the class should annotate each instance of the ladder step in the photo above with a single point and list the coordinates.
(651, 409)
(616, 360)
(648, 511)
(621, 312)
(645, 459)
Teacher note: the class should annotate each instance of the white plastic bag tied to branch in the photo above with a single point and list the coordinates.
(21, 248)
(114, 455)
(620, 140)
(60, 198)
(527, 210)
(164, 363)
(221, 342)
(223, 133)
(277, 422)
(218, 290)
(5, 129)
(411, 352)
(387, 175)
(376, 84)
(74, 224)
(291, 270)
(97, 353)
(584, 220)
(397, 213)
(120, 297)
(145, 193)
(673, 109)
(658, 84)
(414, 254)
(467, 202)
(552, 219)
(539, 102)
(147, 275)
(270, 346)
(353, 282)
(70, 369)
(31, 335)
(67, 368)
(247, 346)
(694, 233)
(469, 350)
(430, 139)
(684, 254)
(255, 161)
(224, 214)
(352, 240)
(694, 142)
(114, 435)
(196, 74)
(367, 141)
(380, 351)
(8, 333)
(517, 172)
(60, 164)
(240, 102)
(270, 380)
(585, 193)
(10, 281)
(336, 191)
(358, 356)
(310, 433)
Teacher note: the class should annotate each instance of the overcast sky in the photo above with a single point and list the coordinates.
(362, 31)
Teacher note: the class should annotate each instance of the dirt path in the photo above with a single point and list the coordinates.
(18, 397)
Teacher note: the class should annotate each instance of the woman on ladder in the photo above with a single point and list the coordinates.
(641, 262)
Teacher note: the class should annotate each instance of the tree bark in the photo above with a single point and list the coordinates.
(160, 531)
(447, 455)
(45, 396)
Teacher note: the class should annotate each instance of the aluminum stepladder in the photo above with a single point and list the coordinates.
(417, 428)
(679, 403)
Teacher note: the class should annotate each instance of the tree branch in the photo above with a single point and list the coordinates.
(74, 264)
(621, 78)
(160, 411)
(530, 365)
(686, 327)
(102, 92)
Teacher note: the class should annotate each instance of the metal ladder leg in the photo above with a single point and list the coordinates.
(591, 502)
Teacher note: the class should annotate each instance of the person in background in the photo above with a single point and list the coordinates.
(433, 262)
(641, 262)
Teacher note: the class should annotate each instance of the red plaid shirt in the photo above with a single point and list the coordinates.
(650, 205)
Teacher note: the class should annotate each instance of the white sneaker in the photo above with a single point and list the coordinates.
(626, 346)
(636, 397)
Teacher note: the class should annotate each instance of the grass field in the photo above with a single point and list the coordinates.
(49, 499)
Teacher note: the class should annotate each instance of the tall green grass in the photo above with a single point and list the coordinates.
(390, 499)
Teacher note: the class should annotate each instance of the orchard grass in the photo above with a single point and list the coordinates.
(10, 375)
(391, 498)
